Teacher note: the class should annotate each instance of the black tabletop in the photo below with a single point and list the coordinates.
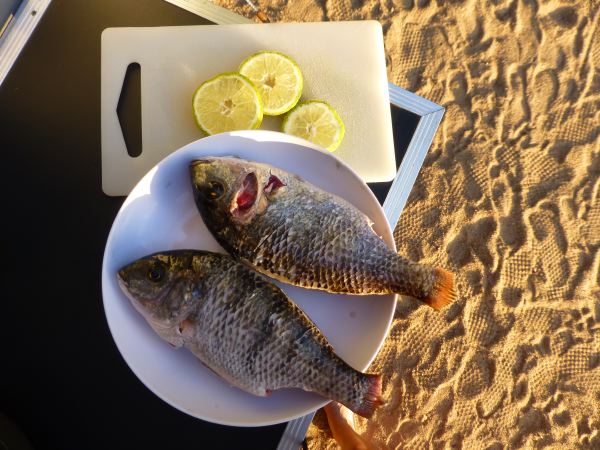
(62, 379)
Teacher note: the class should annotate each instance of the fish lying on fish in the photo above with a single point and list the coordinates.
(242, 327)
(295, 232)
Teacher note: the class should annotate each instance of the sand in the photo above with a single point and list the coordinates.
(509, 199)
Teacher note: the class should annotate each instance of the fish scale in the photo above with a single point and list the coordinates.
(320, 264)
(242, 327)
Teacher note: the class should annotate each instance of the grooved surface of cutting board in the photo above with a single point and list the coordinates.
(343, 63)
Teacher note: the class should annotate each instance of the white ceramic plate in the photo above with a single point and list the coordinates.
(160, 214)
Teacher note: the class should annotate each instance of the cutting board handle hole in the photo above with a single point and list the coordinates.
(129, 110)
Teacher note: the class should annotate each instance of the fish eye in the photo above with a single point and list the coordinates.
(213, 190)
(156, 272)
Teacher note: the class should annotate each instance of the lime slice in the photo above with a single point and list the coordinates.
(278, 79)
(317, 122)
(227, 102)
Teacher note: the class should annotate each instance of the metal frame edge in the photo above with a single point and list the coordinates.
(431, 116)
(18, 32)
(210, 11)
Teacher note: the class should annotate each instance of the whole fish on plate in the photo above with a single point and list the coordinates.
(242, 327)
(297, 233)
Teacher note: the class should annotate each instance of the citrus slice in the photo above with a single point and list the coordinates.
(317, 122)
(227, 102)
(278, 79)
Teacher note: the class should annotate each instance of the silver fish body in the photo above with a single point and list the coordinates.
(295, 232)
(242, 327)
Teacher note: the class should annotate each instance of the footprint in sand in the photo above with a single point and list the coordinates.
(495, 446)
(591, 228)
(520, 390)
(531, 422)
(565, 16)
(344, 10)
(408, 46)
(594, 360)
(543, 92)
(472, 242)
(588, 433)
(506, 11)
(475, 376)
(551, 243)
(517, 111)
(562, 417)
(562, 341)
(408, 428)
(512, 296)
(544, 175)
(506, 198)
(559, 150)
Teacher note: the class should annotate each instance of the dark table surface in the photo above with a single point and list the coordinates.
(62, 379)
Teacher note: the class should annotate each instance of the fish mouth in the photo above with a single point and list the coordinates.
(125, 288)
(123, 283)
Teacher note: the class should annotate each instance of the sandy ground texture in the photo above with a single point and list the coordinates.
(509, 199)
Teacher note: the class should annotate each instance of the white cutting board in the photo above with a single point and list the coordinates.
(343, 63)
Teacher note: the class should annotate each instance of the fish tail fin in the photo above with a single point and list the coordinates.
(371, 395)
(443, 292)
(431, 285)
